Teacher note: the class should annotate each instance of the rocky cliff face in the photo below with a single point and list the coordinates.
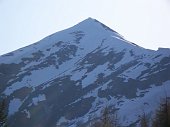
(67, 78)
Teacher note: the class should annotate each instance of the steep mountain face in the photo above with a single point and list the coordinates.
(67, 78)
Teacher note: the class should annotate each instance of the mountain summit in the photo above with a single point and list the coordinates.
(67, 78)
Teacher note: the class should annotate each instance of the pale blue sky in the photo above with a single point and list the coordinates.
(23, 22)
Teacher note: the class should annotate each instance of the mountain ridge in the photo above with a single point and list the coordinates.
(91, 20)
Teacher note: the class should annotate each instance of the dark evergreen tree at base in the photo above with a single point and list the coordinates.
(162, 117)
(107, 120)
(144, 121)
(3, 116)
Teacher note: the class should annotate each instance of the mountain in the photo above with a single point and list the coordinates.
(69, 77)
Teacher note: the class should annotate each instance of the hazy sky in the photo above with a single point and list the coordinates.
(144, 22)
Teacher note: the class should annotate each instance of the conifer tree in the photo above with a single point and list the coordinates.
(162, 117)
(107, 120)
(3, 116)
(144, 121)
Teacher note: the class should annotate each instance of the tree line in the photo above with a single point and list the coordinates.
(161, 117)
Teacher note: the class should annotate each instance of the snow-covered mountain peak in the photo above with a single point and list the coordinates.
(91, 25)
(68, 77)
(89, 34)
